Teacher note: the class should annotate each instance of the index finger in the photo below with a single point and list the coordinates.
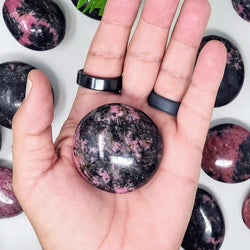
(105, 57)
(107, 51)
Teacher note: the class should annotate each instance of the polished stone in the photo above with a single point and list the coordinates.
(233, 78)
(93, 14)
(13, 77)
(226, 154)
(117, 148)
(242, 7)
(9, 205)
(206, 228)
(37, 25)
(246, 211)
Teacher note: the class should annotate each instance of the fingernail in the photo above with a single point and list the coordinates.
(28, 88)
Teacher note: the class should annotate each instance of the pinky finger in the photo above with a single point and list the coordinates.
(197, 104)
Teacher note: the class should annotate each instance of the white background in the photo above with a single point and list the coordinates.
(61, 65)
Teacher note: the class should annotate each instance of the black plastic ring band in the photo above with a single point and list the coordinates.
(101, 84)
(163, 104)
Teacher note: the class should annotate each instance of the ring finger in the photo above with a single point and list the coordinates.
(178, 62)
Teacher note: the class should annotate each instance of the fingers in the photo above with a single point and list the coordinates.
(197, 104)
(147, 47)
(33, 150)
(107, 51)
(177, 67)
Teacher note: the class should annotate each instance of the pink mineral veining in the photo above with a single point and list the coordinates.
(117, 148)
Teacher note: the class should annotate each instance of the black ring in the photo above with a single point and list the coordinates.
(97, 83)
(163, 104)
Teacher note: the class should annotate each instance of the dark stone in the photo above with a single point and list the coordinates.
(13, 77)
(226, 154)
(233, 78)
(206, 228)
(0, 140)
(117, 148)
(246, 211)
(38, 25)
(9, 205)
(93, 14)
(242, 7)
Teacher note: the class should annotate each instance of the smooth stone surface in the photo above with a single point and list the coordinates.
(206, 228)
(233, 78)
(117, 148)
(13, 77)
(0, 140)
(93, 14)
(226, 154)
(9, 205)
(246, 211)
(37, 25)
(242, 7)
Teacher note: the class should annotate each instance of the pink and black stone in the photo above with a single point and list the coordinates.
(93, 14)
(13, 77)
(206, 228)
(9, 205)
(226, 154)
(37, 25)
(246, 211)
(117, 148)
(233, 78)
(242, 7)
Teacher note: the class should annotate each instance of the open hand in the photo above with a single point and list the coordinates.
(67, 212)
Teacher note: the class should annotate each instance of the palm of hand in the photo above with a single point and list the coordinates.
(46, 182)
(102, 219)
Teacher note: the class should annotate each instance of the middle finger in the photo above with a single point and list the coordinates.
(147, 47)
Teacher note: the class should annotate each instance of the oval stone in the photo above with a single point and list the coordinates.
(13, 77)
(93, 14)
(226, 154)
(206, 228)
(117, 148)
(233, 77)
(242, 7)
(9, 205)
(246, 211)
(37, 25)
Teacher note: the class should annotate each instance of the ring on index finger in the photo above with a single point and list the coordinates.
(97, 83)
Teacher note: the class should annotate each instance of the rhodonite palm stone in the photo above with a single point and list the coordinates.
(9, 205)
(242, 7)
(226, 153)
(206, 228)
(13, 77)
(234, 74)
(246, 211)
(38, 25)
(117, 148)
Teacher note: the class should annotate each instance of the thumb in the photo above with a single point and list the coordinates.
(33, 149)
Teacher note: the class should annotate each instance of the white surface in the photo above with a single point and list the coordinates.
(61, 65)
